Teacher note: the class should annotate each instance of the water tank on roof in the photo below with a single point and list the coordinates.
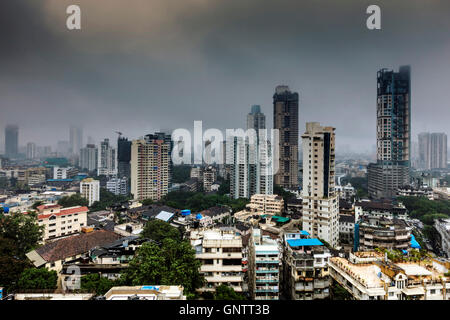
(185, 213)
(199, 216)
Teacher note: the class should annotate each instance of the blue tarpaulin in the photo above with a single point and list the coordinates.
(304, 233)
(414, 243)
(304, 242)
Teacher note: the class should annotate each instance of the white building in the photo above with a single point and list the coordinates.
(264, 267)
(320, 201)
(146, 293)
(118, 186)
(90, 189)
(89, 157)
(442, 226)
(64, 173)
(221, 253)
(61, 222)
(107, 159)
(369, 276)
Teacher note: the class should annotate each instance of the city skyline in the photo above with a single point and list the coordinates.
(116, 75)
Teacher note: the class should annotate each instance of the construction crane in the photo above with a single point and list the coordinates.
(119, 133)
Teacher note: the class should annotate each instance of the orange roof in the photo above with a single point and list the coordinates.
(47, 206)
(64, 212)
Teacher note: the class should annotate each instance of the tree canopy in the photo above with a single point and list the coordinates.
(426, 210)
(73, 200)
(12, 264)
(22, 229)
(181, 173)
(97, 284)
(159, 230)
(197, 201)
(34, 278)
(171, 263)
(224, 292)
(107, 199)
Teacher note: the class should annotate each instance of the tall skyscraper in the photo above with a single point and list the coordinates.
(106, 159)
(250, 160)
(63, 148)
(320, 200)
(256, 119)
(432, 150)
(31, 150)
(11, 140)
(392, 169)
(89, 158)
(76, 140)
(123, 157)
(151, 166)
(285, 119)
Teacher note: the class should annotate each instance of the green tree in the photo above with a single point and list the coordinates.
(22, 229)
(159, 230)
(171, 263)
(224, 292)
(34, 278)
(147, 202)
(73, 200)
(338, 292)
(11, 264)
(96, 283)
(181, 173)
(107, 199)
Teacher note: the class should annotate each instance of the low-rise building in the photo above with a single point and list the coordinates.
(118, 186)
(264, 260)
(386, 209)
(410, 191)
(61, 222)
(64, 173)
(442, 226)
(305, 274)
(346, 228)
(441, 193)
(220, 251)
(346, 192)
(266, 204)
(370, 276)
(54, 254)
(147, 292)
(379, 232)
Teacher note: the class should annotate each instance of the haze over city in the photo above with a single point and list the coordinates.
(163, 64)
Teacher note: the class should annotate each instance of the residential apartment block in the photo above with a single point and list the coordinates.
(320, 214)
(221, 253)
(264, 267)
(90, 189)
(266, 204)
(305, 274)
(59, 221)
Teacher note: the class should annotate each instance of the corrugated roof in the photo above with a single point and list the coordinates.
(164, 216)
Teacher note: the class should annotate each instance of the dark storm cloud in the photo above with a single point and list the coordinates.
(146, 65)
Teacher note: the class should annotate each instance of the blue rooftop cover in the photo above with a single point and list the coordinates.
(304, 242)
(149, 288)
(164, 216)
(304, 233)
(405, 252)
(199, 216)
(185, 212)
(414, 243)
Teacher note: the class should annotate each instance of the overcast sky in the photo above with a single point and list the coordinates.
(142, 65)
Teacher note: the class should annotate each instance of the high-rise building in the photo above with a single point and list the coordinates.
(89, 157)
(76, 140)
(432, 150)
(11, 140)
(256, 119)
(90, 189)
(392, 169)
(118, 186)
(123, 157)
(151, 166)
(320, 201)
(106, 159)
(31, 150)
(285, 119)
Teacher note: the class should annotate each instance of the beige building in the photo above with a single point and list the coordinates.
(150, 167)
(266, 204)
(90, 189)
(146, 293)
(61, 222)
(370, 276)
(320, 201)
(221, 253)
